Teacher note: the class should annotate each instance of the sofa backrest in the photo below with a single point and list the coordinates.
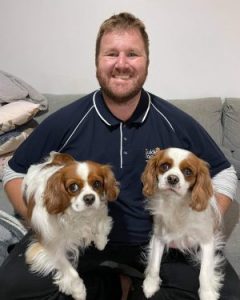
(207, 111)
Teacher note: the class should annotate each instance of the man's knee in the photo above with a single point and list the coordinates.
(7, 285)
(231, 286)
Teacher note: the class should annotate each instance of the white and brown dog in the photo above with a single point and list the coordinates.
(185, 214)
(67, 209)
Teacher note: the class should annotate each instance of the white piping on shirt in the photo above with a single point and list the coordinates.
(149, 104)
(95, 106)
(74, 130)
(121, 146)
(166, 119)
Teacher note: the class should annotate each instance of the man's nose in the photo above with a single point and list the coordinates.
(122, 60)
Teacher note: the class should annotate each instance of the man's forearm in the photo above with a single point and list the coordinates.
(224, 203)
(225, 185)
(13, 190)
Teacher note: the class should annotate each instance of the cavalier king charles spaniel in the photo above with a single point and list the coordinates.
(67, 210)
(181, 200)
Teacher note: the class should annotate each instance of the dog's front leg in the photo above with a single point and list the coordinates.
(104, 226)
(152, 279)
(68, 280)
(210, 278)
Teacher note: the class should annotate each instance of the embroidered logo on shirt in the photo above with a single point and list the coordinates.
(149, 153)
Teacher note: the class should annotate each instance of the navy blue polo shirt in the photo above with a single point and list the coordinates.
(87, 130)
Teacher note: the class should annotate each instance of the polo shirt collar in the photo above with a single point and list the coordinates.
(105, 114)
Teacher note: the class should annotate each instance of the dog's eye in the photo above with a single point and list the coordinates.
(73, 188)
(165, 167)
(97, 184)
(187, 172)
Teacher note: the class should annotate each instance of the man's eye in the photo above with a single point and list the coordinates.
(112, 54)
(97, 184)
(187, 172)
(132, 54)
(73, 188)
(165, 167)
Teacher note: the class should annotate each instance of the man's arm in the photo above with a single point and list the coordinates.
(225, 186)
(12, 183)
(14, 192)
(224, 202)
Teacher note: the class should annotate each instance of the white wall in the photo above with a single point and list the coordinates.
(194, 44)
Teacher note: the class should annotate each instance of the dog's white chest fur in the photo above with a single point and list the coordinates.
(178, 223)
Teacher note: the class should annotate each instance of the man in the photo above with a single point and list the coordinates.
(120, 124)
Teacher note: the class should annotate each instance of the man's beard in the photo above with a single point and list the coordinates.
(122, 97)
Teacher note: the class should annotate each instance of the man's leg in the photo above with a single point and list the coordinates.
(231, 287)
(17, 282)
(180, 281)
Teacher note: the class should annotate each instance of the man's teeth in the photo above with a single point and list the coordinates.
(122, 76)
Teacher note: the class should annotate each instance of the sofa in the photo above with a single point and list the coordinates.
(221, 118)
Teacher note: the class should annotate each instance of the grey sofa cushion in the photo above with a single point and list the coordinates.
(231, 133)
(207, 111)
(56, 102)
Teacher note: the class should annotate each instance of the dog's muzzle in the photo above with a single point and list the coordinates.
(89, 199)
(172, 180)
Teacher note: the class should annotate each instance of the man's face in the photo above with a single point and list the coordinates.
(122, 64)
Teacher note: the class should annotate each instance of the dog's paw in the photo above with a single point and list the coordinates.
(100, 241)
(71, 284)
(151, 285)
(208, 294)
(78, 289)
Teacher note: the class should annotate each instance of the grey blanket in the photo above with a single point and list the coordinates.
(11, 231)
(13, 89)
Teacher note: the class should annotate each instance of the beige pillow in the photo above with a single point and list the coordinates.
(16, 113)
(11, 140)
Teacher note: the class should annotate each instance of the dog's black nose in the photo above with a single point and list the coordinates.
(89, 199)
(172, 179)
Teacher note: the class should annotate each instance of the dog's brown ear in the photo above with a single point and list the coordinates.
(30, 206)
(149, 175)
(60, 158)
(202, 189)
(56, 197)
(29, 200)
(111, 186)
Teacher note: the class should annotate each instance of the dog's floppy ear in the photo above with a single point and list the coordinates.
(149, 175)
(56, 197)
(60, 158)
(111, 186)
(202, 189)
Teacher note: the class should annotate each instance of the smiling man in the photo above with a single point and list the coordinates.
(122, 125)
(122, 66)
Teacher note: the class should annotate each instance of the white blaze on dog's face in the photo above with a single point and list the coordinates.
(84, 187)
(87, 189)
(177, 172)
